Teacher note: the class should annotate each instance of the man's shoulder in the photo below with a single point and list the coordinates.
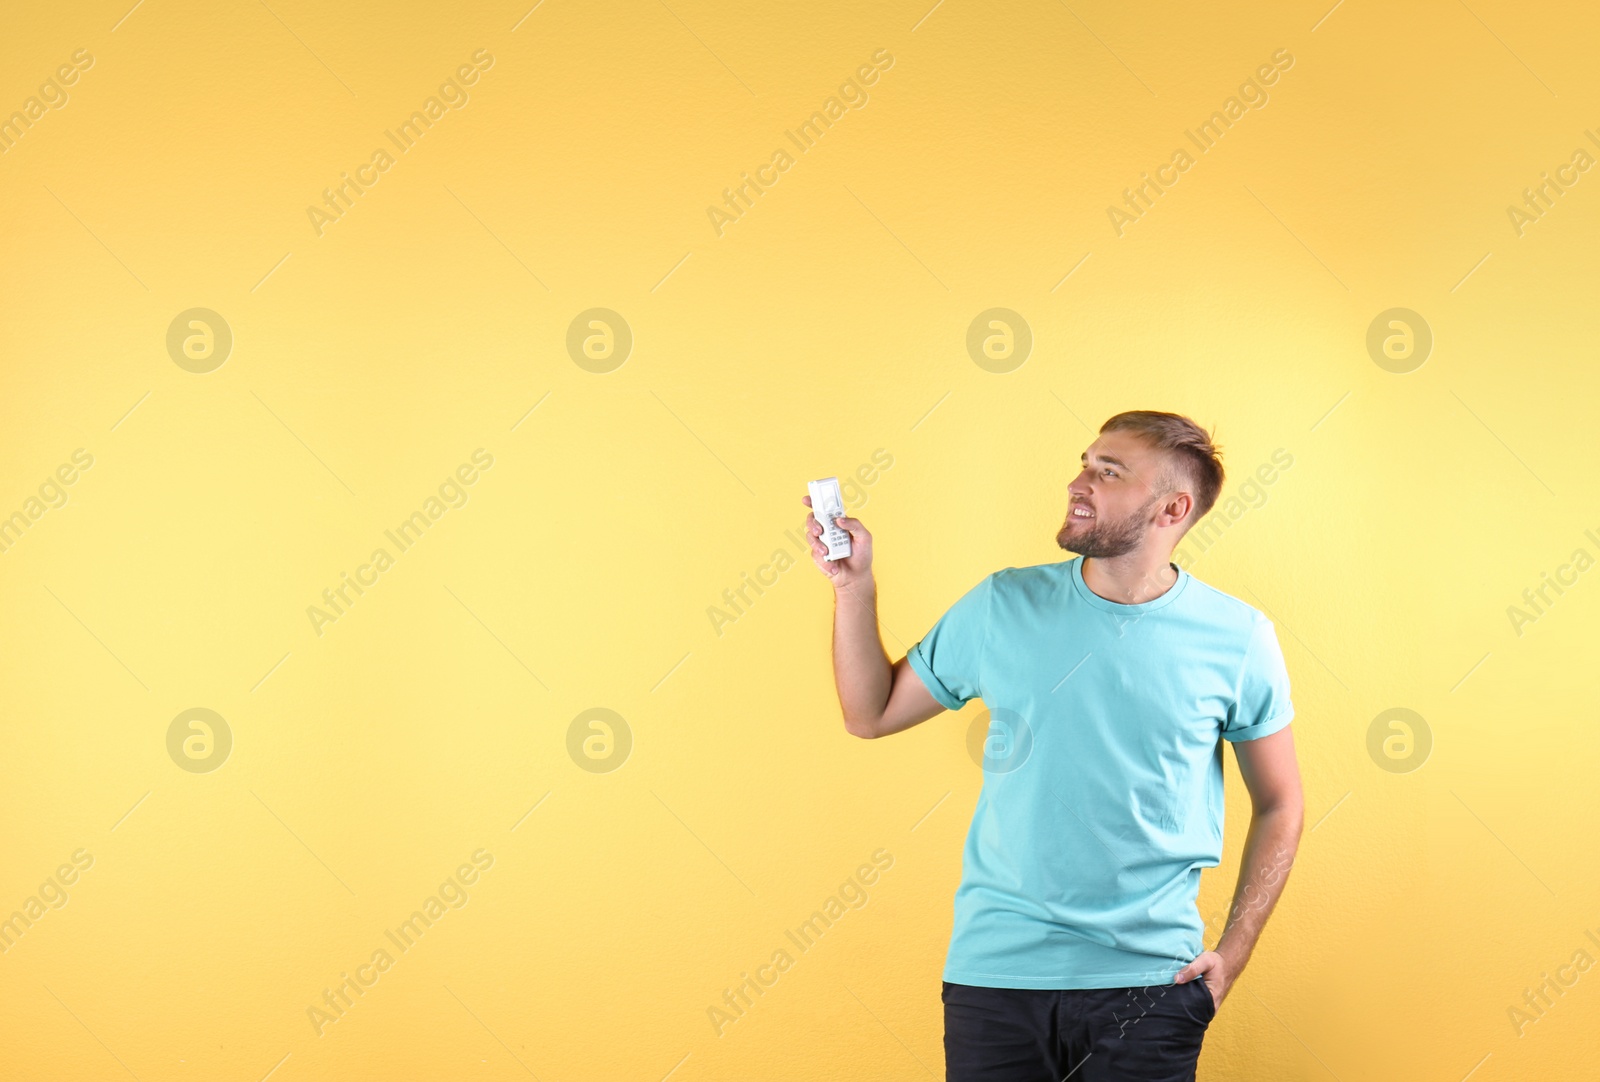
(1033, 576)
(1032, 587)
(1222, 608)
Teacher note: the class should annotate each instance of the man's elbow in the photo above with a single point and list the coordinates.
(1290, 810)
(863, 728)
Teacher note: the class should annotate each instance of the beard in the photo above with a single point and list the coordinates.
(1103, 539)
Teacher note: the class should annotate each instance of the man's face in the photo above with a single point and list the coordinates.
(1112, 503)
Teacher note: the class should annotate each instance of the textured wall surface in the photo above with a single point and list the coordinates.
(533, 324)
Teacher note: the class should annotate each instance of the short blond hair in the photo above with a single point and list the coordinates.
(1192, 460)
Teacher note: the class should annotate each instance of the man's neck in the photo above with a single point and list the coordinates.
(1129, 580)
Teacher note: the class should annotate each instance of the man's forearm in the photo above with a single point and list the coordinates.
(861, 668)
(1269, 851)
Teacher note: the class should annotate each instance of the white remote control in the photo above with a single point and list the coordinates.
(827, 503)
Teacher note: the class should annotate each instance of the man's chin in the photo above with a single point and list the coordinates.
(1086, 544)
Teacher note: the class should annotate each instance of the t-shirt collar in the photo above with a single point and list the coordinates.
(1107, 605)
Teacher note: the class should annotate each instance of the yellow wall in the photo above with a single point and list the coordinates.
(373, 755)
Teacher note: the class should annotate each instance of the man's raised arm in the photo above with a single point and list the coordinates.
(877, 698)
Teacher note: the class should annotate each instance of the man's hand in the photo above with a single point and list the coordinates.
(1219, 974)
(856, 568)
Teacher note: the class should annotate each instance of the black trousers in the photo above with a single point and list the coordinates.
(1145, 1034)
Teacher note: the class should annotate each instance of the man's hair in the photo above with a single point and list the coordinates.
(1192, 461)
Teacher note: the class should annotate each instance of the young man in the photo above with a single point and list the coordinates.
(1111, 680)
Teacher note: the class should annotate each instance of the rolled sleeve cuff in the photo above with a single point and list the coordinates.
(1256, 732)
(935, 687)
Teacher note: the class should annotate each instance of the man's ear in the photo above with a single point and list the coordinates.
(1178, 506)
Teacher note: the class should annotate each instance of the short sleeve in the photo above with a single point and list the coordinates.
(949, 659)
(1262, 706)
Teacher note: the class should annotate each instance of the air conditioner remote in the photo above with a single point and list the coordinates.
(827, 503)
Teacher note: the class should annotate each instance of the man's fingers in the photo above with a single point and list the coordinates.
(819, 552)
(858, 533)
(1202, 964)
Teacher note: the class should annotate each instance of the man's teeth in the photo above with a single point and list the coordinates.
(1081, 513)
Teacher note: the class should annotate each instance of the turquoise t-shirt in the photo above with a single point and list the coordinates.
(1102, 786)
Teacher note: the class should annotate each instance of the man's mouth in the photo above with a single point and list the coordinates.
(1081, 512)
